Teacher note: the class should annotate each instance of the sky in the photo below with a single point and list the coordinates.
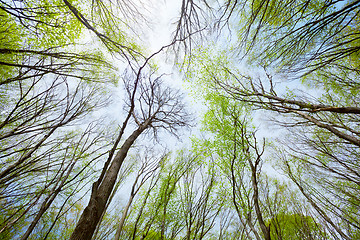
(157, 35)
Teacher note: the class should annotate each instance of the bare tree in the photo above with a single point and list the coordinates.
(153, 107)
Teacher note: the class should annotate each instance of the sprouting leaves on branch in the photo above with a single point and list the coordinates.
(277, 156)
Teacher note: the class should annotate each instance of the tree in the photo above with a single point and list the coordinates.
(328, 151)
(289, 35)
(180, 201)
(49, 88)
(41, 69)
(105, 230)
(57, 67)
(154, 213)
(313, 43)
(149, 167)
(157, 107)
(239, 158)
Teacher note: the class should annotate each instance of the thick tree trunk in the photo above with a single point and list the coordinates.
(100, 194)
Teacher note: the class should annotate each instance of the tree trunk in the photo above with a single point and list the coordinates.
(100, 194)
(123, 217)
(265, 229)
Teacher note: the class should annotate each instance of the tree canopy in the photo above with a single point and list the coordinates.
(88, 111)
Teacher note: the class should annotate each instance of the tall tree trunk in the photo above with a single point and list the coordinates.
(123, 217)
(265, 229)
(101, 192)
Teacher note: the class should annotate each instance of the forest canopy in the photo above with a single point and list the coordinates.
(100, 138)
